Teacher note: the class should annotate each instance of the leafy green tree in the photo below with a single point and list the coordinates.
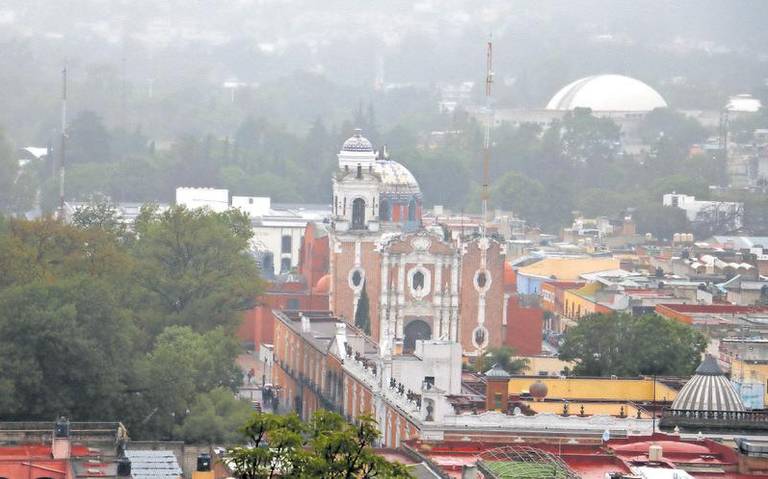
(214, 418)
(624, 345)
(662, 221)
(99, 213)
(327, 448)
(65, 348)
(363, 312)
(181, 365)
(195, 266)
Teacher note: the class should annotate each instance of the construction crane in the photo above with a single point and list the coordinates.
(487, 139)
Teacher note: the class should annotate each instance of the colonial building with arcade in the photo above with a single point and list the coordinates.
(421, 283)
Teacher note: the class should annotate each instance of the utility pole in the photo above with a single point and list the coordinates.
(488, 126)
(62, 146)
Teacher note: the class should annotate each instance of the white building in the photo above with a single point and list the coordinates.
(278, 229)
(212, 198)
(727, 214)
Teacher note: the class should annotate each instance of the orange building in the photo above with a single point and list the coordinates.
(322, 362)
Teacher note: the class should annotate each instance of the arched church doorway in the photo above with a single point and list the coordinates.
(358, 214)
(413, 331)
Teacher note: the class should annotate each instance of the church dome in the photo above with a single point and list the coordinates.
(357, 142)
(708, 390)
(396, 178)
(607, 93)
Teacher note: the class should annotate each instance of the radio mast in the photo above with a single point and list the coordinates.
(62, 149)
(487, 139)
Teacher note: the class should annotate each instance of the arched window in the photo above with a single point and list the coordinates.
(358, 214)
(385, 212)
(412, 210)
(418, 281)
(414, 331)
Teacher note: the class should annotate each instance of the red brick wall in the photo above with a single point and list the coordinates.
(524, 328)
(343, 295)
(469, 296)
(258, 326)
(315, 255)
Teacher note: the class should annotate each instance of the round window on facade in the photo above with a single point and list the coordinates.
(480, 337)
(482, 280)
(356, 278)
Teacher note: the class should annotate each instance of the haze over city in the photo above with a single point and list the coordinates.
(283, 238)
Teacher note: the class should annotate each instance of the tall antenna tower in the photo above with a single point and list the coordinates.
(62, 149)
(488, 126)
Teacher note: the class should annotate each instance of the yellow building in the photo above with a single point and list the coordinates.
(582, 302)
(597, 389)
(746, 371)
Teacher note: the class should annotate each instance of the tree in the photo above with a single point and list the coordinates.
(662, 221)
(182, 365)
(327, 448)
(214, 418)
(624, 345)
(195, 266)
(99, 213)
(65, 348)
(504, 356)
(88, 139)
(363, 312)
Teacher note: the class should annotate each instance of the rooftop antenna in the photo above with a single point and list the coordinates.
(488, 125)
(62, 149)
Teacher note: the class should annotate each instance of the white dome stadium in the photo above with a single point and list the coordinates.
(607, 93)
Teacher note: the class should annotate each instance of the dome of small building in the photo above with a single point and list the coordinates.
(708, 390)
(497, 372)
(323, 285)
(607, 93)
(357, 142)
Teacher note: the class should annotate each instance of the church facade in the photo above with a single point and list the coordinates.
(419, 283)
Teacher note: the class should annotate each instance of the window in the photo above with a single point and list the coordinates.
(286, 244)
(412, 210)
(385, 212)
(357, 278)
(268, 264)
(250, 201)
(482, 279)
(497, 400)
(293, 304)
(358, 214)
(285, 265)
(418, 281)
(480, 336)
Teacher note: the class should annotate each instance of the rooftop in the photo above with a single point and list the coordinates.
(568, 269)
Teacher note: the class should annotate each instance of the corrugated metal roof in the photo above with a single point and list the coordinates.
(153, 464)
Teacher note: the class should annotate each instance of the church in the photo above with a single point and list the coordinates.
(420, 284)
